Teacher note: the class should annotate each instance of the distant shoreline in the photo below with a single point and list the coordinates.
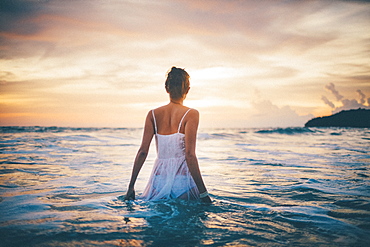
(356, 118)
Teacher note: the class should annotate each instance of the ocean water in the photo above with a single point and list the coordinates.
(270, 187)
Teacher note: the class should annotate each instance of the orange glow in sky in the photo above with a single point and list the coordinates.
(252, 63)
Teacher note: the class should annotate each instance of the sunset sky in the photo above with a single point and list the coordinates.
(96, 63)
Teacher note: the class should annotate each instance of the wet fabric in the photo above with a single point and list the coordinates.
(170, 177)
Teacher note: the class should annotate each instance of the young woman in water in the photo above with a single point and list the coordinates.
(176, 171)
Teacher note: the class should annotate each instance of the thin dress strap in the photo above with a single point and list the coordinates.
(178, 131)
(155, 123)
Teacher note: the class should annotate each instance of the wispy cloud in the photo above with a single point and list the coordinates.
(63, 53)
(345, 103)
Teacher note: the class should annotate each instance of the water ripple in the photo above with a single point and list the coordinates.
(271, 187)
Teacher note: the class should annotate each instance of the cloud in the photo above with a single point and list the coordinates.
(328, 102)
(58, 52)
(257, 114)
(347, 104)
(266, 114)
(231, 27)
(14, 15)
(331, 87)
(362, 96)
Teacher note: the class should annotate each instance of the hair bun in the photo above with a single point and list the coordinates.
(175, 70)
(177, 82)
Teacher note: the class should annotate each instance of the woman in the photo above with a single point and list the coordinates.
(176, 171)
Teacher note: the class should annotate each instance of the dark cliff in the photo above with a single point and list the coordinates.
(359, 118)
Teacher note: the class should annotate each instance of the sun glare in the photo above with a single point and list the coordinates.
(203, 103)
(215, 73)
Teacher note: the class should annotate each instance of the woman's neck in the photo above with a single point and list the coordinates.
(177, 101)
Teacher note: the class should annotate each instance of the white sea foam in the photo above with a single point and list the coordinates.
(271, 187)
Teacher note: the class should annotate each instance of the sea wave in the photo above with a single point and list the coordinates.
(287, 131)
(51, 129)
(271, 187)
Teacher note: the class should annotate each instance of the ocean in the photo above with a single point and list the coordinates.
(269, 186)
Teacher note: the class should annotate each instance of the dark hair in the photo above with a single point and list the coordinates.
(177, 82)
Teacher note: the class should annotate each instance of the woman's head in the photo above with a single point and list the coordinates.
(177, 83)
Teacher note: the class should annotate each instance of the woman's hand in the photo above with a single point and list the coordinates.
(130, 195)
(206, 199)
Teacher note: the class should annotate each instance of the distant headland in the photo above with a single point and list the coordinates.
(359, 118)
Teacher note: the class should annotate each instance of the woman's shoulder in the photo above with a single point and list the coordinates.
(192, 115)
(160, 108)
(192, 111)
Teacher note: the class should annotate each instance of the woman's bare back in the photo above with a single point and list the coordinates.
(168, 118)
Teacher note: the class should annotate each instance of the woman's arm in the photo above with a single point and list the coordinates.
(141, 155)
(191, 128)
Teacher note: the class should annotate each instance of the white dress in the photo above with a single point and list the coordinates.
(170, 177)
